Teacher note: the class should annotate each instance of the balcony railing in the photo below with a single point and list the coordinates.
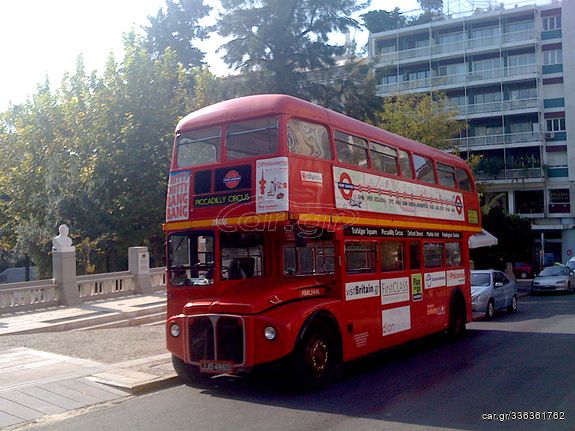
(524, 36)
(510, 174)
(462, 78)
(503, 139)
(397, 87)
(500, 106)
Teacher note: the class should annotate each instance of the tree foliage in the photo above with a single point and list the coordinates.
(276, 42)
(515, 240)
(377, 21)
(177, 28)
(94, 151)
(381, 20)
(350, 90)
(93, 154)
(421, 117)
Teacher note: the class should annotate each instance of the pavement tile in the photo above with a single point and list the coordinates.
(101, 393)
(18, 410)
(32, 402)
(7, 419)
(34, 383)
(53, 398)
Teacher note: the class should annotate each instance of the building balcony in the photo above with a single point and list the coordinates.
(500, 107)
(511, 175)
(524, 37)
(498, 140)
(527, 71)
(403, 86)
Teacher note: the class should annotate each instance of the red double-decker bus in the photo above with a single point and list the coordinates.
(299, 235)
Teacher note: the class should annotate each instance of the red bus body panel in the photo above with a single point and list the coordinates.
(367, 319)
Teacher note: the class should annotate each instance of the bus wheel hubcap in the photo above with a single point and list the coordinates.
(317, 355)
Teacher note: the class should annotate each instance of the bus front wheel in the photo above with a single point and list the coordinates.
(315, 358)
(190, 374)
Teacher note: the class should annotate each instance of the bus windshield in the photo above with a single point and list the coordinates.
(241, 255)
(191, 258)
(198, 147)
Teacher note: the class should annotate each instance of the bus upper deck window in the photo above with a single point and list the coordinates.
(424, 169)
(252, 138)
(198, 147)
(383, 158)
(405, 164)
(446, 175)
(308, 139)
(351, 149)
(463, 181)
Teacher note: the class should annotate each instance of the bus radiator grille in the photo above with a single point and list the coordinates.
(230, 336)
(216, 338)
(201, 339)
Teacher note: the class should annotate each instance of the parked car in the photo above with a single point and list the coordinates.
(492, 290)
(522, 270)
(571, 263)
(554, 278)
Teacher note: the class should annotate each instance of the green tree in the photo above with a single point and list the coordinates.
(350, 90)
(276, 42)
(178, 28)
(431, 6)
(94, 154)
(381, 20)
(424, 118)
(515, 240)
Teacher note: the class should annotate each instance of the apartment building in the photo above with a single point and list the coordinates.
(510, 74)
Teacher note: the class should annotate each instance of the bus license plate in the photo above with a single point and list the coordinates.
(216, 367)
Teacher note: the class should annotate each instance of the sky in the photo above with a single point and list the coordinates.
(43, 38)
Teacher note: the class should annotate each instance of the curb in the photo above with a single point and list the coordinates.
(143, 387)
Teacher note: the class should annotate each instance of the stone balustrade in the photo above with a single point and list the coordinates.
(29, 295)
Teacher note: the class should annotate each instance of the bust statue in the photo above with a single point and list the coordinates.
(62, 242)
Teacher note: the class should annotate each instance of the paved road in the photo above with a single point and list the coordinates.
(516, 363)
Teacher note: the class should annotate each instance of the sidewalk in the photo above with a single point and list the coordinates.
(38, 382)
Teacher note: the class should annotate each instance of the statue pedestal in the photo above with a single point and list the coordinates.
(139, 265)
(64, 273)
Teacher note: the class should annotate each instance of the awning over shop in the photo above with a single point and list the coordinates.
(483, 239)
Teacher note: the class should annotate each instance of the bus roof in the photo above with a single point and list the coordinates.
(274, 104)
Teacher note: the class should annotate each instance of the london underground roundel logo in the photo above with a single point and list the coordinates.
(345, 186)
(458, 204)
(232, 179)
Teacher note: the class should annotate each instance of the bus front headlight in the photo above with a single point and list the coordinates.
(175, 330)
(270, 333)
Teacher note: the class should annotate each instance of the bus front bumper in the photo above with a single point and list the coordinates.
(226, 344)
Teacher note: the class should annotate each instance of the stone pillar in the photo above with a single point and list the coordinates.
(139, 265)
(64, 267)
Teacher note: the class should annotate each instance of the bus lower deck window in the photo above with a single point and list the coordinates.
(360, 257)
(391, 256)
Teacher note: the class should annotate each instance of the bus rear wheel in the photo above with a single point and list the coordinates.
(457, 318)
(315, 358)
